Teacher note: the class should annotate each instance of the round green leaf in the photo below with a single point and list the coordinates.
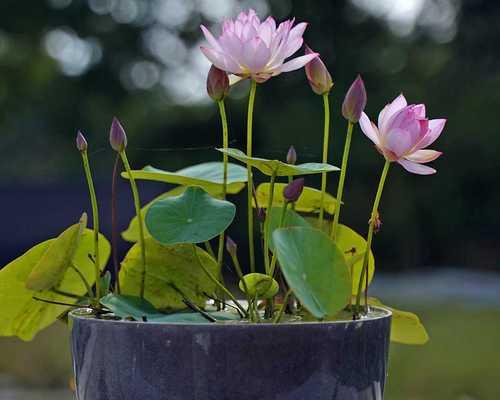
(131, 234)
(23, 316)
(308, 202)
(268, 167)
(259, 285)
(191, 217)
(406, 327)
(209, 176)
(51, 267)
(170, 271)
(291, 219)
(353, 245)
(315, 268)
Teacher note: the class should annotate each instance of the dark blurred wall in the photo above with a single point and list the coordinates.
(67, 65)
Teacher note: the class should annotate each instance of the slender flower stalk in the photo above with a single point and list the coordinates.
(268, 220)
(114, 223)
(118, 141)
(81, 144)
(225, 145)
(251, 102)
(232, 249)
(326, 137)
(340, 189)
(352, 108)
(369, 238)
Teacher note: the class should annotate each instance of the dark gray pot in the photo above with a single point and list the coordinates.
(120, 360)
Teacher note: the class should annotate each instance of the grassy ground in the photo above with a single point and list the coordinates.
(461, 362)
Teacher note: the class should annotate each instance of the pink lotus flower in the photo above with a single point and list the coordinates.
(403, 133)
(248, 47)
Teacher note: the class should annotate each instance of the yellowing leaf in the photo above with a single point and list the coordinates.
(279, 168)
(309, 201)
(353, 245)
(208, 176)
(170, 271)
(406, 327)
(20, 314)
(54, 262)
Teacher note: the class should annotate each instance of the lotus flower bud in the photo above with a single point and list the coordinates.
(117, 136)
(81, 142)
(217, 83)
(291, 156)
(261, 214)
(354, 101)
(318, 76)
(231, 246)
(293, 190)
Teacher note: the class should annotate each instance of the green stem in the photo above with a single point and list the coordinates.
(326, 137)
(239, 272)
(251, 102)
(209, 249)
(137, 204)
(217, 282)
(268, 220)
(84, 281)
(95, 216)
(114, 224)
(369, 237)
(275, 258)
(225, 145)
(278, 317)
(340, 189)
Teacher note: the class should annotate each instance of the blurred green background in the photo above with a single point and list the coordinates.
(74, 64)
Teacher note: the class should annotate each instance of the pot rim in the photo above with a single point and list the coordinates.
(387, 313)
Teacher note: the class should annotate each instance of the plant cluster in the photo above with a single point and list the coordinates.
(313, 266)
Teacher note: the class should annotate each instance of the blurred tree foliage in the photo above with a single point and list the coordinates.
(66, 65)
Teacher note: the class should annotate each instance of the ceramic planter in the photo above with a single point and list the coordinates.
(121, 360)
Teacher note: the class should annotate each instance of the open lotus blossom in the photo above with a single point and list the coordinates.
(248, 47)
(403, 133)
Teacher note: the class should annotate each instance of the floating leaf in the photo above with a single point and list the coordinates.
(52, 265)
(23, 316)
(194, 317)
(315, 268)
(353, 245)
(139, 309)
(131, 234)
(191, 217)
(259, 285)
(406, 327)
(209, 176)
(170, 271)
(268, 167)
(308, 202)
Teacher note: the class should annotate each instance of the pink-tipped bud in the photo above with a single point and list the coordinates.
(81, 142)
(217, 83)
(291, 156)
(231, 246)
(355, 101)
(117, 136)
(293, 190)
(317, 74)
